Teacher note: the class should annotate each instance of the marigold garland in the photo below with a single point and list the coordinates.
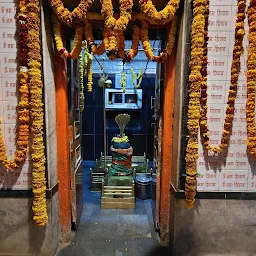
(76, 50)
(235, 70)
(251, 88)
(145, 41)
(170, 43)
(95, 49)
(172, 36)
(135, 43)
(107, 12)
(195, 79)
(121, 45)
(23, 105)
(37, 119)
(67, 17)
(162, 17)
(58, 37)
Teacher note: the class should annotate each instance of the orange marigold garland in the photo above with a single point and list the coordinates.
(235, 70)
(251, 88)
(23, 105)
(95, 49)
(195, 79)
(77, 48)
(58, 37)
(161, 17)
(121, 45)
(170, 43)
(135, 44)
(145, 41)
(112, 46)
(37, 117)
(74, 17)
(74, 54)
(107, 12)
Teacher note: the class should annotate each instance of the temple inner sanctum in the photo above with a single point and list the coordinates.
(127, 128)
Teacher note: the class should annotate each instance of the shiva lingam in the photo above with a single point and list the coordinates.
(121, 149)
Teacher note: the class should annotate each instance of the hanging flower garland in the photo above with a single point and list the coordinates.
(67, 17)
(95, 49)
(121, 45)
(81, 79)
(123, 81)
(170, 43)
(135, 44)
(88, 68)
(23, 105)
(251, 88)
(145, 41)
(112, 45)
(172, 36)
(89, 73)
(195, 79)
(235, 70)
(77, 48)
(74, 54)
(107, 12)
(161, 17)
(58, 37)
(136, 78)
(36, 109)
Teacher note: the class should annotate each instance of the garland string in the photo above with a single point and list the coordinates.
(235, 70)
(37, 118)
(195, 79)
(23, 105)
(251, 83)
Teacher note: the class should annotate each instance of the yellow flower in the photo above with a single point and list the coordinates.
(161, 17)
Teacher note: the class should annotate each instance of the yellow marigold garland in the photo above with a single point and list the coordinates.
(172, 36)
(67, 17)
(37, 119)
(23, 105)
(121, 45)
(195, 79)
(162, 17)
(235, 70)
(251, 88)
(74, 54)
(95, 49)
(170, 43)
(58, 37)
(145, 41)
(135, 43)
(107, 12)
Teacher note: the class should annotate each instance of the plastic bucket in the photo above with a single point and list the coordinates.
(143, 187)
